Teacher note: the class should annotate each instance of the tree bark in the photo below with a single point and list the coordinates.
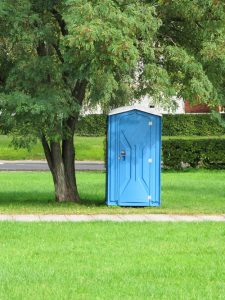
(68, 156)
(61, 156)
(61, 164)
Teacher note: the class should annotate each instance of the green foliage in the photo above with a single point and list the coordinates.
(173, 125)
(191, 124)
(57, 55)
(207, 153)
(191, 45)
(114, 50)
(92, 125)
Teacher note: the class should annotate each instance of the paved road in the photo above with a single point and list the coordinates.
(113, 218)
(28, 165)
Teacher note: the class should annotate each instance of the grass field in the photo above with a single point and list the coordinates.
(190, 192)
(87, 148)
(112, 261)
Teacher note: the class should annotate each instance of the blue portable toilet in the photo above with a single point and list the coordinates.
(133, 157)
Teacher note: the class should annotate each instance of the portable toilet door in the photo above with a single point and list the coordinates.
(133, 157)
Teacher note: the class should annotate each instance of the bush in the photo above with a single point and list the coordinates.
(92, 125)
(183, 153)
(206, 153)
(188, 124)
(173, 125)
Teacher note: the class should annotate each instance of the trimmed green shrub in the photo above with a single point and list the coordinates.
(92, 125)
(173, 125)
(178, 153)
(191, 124)
(206, 153)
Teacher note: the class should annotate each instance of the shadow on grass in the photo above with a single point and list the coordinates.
(12, 199)
(92, 202)
(201, 191)
(42, 199)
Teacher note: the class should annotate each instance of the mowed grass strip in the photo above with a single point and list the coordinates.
(190, 192)
(112, 261)
(87, 148)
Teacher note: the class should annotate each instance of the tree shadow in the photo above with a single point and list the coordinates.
(42, 199)
(92, 202)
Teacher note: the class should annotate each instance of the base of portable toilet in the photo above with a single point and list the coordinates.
(134, 157)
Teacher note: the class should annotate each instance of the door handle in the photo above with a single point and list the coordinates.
(122, 154)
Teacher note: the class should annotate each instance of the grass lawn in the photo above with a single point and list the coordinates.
(190, 192)
(112, 261)
(87, 148)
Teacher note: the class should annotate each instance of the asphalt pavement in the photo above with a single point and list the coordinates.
(40, 165)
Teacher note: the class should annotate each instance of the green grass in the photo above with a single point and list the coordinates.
(87, 148)
(190, 192)
(193, 137)
(112, 261)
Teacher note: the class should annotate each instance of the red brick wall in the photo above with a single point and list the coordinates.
(199, 108)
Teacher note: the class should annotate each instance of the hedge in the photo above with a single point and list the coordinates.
(173, 125)
(92, 125)
(178, 153)
(206, 153)
(191, 124)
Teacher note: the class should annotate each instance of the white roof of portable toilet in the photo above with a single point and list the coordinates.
(137, 107)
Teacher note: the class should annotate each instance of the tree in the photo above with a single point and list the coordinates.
(191, 42)
(56, 55)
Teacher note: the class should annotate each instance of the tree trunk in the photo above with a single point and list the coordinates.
(61, 156)
(61, 164)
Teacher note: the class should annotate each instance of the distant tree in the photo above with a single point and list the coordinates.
(57, 55)
(190, 47)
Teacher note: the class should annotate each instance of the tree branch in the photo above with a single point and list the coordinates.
(47, 151)
(61, 22)
(79, 90)
(58, 52)
(60, 56)
(41, 49)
